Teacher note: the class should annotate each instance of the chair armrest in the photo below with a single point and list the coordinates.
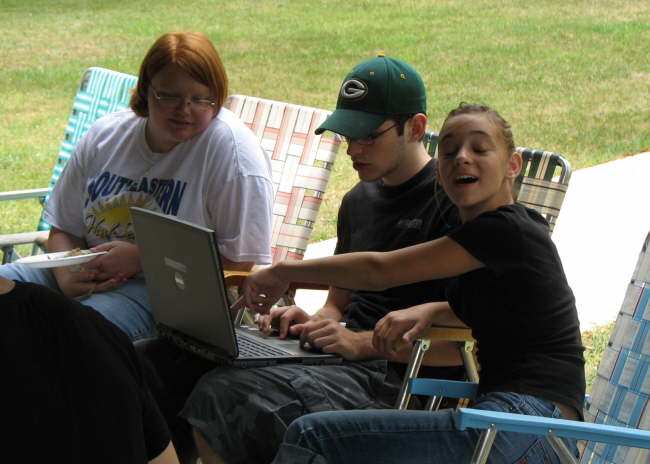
(454, 334)
(446, 388)
(503, 421)
(23, 194)
(451, 334)
(463, 335)
(236, 278)
(11, 240)
(8, 242)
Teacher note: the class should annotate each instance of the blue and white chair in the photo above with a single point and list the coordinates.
(101, 91)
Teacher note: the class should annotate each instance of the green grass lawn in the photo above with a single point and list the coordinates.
(571, 77)
(595, 341)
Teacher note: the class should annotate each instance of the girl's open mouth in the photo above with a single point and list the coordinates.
(466, 179)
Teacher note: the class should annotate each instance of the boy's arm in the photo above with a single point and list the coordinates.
(337, 300)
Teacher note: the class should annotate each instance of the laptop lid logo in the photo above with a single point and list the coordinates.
(180, 269)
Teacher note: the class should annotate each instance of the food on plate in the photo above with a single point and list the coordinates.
(76, 252)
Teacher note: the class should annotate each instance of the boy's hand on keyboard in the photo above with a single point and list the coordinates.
(332, 336)
(281, 320)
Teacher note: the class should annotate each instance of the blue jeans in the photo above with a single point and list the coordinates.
(127, 306)
(390, 436)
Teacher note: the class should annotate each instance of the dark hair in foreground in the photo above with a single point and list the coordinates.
(194, 53)
(471, 108)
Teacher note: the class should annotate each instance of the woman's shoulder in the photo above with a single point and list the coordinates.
(226, 124)
(117, 122)
(228, 131)
(118, 118)
(230, 146)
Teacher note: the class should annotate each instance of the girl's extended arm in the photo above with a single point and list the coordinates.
(436, 259)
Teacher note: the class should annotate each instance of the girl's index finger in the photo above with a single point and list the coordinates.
(239, 303)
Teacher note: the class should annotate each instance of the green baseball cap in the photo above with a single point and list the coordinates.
(375, 89)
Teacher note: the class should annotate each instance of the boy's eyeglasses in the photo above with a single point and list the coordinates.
(369, 140)
(173, 101)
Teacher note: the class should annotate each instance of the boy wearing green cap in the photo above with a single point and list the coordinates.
(240, 415)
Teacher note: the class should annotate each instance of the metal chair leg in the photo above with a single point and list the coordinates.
(484, 445)
(419, 348)
(433, 404)
(466, 352)
(561, 450)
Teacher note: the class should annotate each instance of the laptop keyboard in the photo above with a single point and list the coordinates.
(250, 347)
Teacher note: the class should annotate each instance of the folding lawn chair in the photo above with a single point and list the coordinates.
(542, 182)
(100, 92)
(301, 162)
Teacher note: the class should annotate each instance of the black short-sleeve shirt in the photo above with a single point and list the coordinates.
(378, 217)
(520, 307)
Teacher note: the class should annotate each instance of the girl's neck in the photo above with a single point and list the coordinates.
(467, 214)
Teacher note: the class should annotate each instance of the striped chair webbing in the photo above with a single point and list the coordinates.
(101, 91)
(543, 182)
(621, 390)
(301, 162)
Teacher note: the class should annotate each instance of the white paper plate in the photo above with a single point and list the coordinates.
(58, 259)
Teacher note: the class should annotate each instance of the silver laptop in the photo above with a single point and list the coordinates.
(186, 289)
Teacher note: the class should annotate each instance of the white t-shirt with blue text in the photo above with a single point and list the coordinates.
(220, 179)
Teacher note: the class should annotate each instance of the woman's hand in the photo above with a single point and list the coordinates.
(75, 281)
(261, 290)
(83, 279)
(123, 259)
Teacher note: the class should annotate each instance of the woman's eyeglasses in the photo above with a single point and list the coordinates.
(369, 140)
(174, 101)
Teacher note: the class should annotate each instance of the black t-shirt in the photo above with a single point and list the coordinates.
(377, 217)
(72, 387)
(520, 307)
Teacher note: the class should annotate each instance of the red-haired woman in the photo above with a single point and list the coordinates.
(177, 151)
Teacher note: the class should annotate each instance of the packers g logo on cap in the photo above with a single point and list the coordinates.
(354, 89)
